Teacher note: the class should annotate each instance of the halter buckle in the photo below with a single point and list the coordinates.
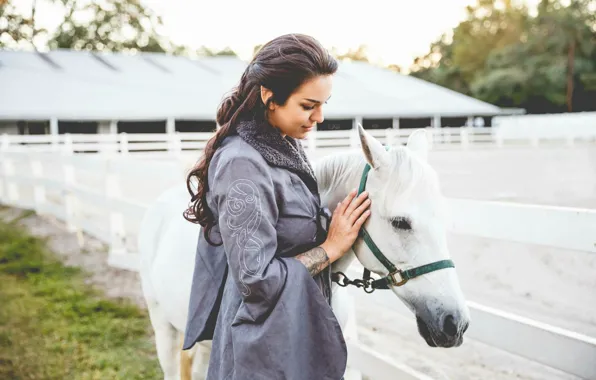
(395, 281)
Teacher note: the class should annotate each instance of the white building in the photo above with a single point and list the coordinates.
(82, 92)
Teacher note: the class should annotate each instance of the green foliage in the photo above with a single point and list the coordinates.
(203, 51)
(501, 54)
(359, 54)
(107, 25)
(54, 326)
(115, 25)
(15, 29)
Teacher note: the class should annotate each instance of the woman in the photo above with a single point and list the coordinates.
(261, 286)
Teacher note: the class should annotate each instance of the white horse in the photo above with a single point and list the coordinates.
(406, 223)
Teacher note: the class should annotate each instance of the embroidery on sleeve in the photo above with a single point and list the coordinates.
(244, 208)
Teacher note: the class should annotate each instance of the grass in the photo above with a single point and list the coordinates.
(54, 326)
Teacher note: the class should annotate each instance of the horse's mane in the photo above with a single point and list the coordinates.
(338, 167)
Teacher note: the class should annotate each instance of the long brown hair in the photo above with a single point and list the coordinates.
(282, 65)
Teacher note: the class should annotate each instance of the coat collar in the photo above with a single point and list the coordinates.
(285, 152)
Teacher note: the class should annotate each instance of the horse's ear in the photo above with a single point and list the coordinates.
(373, 150)
(418, 143)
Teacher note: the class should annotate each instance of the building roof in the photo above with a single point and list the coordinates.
(80, 85)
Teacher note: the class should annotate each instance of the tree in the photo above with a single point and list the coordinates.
(227, 51)
(490, 25)
(115, 25)
(394, 67)
(573, 38)
(454, 61)
(107, 25)
(501, 54)
(17, 30)
(437, 66)
(556, 61)
(359, 54)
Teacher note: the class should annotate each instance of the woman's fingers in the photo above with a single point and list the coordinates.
(356, 203)
(360, 221)
(359, 210)
(341, 208)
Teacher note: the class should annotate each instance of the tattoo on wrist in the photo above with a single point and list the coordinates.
(314, 260)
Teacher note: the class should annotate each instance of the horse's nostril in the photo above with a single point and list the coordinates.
(466, 327)
(449, 326)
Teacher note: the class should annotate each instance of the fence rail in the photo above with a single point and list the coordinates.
(58, 185)
(441, 138)
(552, 346)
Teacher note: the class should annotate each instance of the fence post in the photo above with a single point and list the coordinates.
(123, 143)
(534, 138)
(67, 148)
(389, 134)
(430, 134)
(70, 200)
(11, 190)
(436, 135)
(497, 136)
(39, 191)
(174, 144)
(55, 134)
(5, 142)
(115, 219)
(465, 142)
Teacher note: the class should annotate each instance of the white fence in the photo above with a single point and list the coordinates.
(176, 143)
(564, 126)
(86, 191)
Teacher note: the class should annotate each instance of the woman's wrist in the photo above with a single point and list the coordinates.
(332, 252)
(315, 260)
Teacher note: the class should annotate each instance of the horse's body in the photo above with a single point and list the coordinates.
(401, 186)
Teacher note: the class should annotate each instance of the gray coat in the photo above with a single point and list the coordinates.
(268, 318)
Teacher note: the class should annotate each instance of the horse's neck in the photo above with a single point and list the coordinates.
(337, 175)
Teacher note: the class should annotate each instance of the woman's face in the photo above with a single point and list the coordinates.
(303, 109)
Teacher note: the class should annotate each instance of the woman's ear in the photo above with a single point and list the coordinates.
(266, 94)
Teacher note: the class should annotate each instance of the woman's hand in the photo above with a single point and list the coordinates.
(346, 221)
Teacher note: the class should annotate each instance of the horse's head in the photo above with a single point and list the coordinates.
(407, 224)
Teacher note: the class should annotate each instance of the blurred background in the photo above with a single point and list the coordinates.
(499, 57)
(106, 104)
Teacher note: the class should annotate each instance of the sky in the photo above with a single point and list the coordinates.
(395, 32)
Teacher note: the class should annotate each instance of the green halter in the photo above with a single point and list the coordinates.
(368, 283)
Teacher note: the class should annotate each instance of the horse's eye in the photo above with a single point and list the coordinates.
(401, 223)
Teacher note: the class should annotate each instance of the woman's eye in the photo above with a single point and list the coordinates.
(308, 108)
(401, 224)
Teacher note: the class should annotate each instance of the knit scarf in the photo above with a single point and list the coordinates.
(285, 152)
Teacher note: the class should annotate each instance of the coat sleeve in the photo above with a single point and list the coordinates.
(247, 215)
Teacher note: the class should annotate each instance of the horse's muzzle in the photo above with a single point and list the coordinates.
(451, 333)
